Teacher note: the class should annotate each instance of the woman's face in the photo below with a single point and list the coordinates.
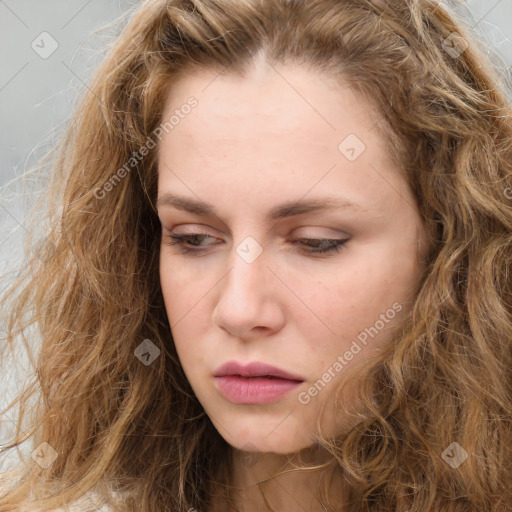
(238, 165)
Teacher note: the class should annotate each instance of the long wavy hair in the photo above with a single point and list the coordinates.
(136, 434)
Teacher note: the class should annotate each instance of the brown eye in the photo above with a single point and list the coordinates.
(188, 238)
(323, 245)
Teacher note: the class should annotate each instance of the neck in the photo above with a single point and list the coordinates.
(282, 486)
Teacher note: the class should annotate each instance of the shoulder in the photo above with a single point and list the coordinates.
(94, 500)
(89, 502)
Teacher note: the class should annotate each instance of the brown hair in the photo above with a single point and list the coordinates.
(94, 295)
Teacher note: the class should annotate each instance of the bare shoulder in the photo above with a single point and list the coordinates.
(89, 502)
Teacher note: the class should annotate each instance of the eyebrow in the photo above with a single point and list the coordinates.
(281, 211)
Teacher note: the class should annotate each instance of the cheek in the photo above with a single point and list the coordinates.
(182, 316)
(347, 293)
(185, 304)
(360, 303)
(374, 278)
(180, 287)
(179, 307)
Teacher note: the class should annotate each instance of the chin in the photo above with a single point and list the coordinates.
(255, 435)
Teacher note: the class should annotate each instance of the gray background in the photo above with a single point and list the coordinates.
(38, 91)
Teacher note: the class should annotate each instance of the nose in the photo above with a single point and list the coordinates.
(248, 300)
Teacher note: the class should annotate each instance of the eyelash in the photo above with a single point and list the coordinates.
(337, 244)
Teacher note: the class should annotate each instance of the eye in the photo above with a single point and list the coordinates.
(322, 245)
(188, 243)
(189, 238)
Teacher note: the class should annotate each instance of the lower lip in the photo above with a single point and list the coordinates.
(258, 390)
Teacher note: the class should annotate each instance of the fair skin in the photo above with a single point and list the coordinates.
(249, 145)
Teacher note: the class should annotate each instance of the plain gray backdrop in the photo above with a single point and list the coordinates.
(49, 50)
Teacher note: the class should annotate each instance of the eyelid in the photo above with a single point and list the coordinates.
(334, 245)
(201, 229)
(327, 233)
(184, 229)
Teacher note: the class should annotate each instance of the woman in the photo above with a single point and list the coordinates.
(278, 275)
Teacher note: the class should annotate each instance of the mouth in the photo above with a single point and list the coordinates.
(254, 389)
(255, 383)
(255, 370)
(251, 377)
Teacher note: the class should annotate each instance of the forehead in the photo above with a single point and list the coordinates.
(291, 97)
(281, 131)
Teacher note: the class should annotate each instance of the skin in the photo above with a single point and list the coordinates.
(250, 144)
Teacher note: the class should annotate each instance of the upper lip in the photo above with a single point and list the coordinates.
(254, 369)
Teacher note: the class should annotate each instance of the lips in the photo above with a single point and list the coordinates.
(256, 383)
(255, 369)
